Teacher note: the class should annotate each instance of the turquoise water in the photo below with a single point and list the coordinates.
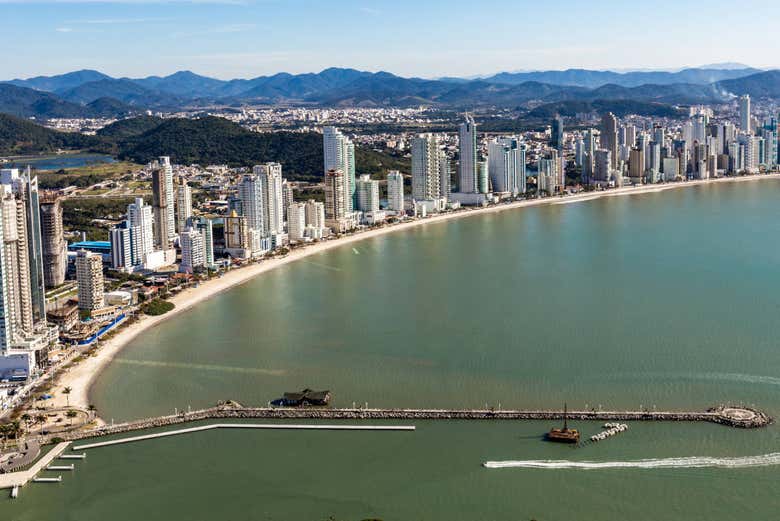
(667, 300)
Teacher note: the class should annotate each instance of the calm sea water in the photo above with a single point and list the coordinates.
(58, 162)
(667, 300)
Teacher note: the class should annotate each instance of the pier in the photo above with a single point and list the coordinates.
(14, 480)
(738, 417)
(272, 426)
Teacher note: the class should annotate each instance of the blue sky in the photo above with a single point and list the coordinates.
(426, 38)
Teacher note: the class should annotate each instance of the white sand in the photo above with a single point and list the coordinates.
(80, 377)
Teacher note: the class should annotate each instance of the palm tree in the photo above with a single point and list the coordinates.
(66, 392)
(40, 419)
(26, 418)
(70, 415)
(91, 408)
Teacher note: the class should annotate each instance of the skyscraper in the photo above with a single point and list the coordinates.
(163, 218)
(193, 251)
(270, 178)
(744, 113)
(395, 191)
(15, 268)
(426, 174)
(183, 205)
(55, 255)
(140, 226)
(296, 220)
(467, 167)
(205, 227)
(89, 276)
(445, 176)
(556, 135)
(367, 194)
(121, 248)
(334, 195)
(339, 154)
(504, 165)
(609, 138)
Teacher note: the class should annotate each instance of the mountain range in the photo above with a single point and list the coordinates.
(91, 93)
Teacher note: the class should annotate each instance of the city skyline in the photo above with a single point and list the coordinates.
(232, 39)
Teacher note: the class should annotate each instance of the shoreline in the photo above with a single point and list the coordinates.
(81, 377)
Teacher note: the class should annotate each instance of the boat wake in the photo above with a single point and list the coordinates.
(765, 460)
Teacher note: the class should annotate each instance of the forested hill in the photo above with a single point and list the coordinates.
(21, 136)
(204, 141)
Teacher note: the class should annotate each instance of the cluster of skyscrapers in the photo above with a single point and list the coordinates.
(24, 333)
(699, 149)
(146, 239)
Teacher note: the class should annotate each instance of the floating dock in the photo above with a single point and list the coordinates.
(61, 467)
(72, 456)
(48, 480)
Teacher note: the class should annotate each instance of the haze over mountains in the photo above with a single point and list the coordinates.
(91, 93)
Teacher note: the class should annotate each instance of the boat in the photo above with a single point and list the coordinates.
(564, 435)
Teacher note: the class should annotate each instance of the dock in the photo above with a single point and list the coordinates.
(14, 480)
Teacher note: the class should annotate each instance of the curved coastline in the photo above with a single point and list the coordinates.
(81, 377)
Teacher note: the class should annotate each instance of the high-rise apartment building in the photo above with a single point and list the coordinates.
(334, 195)
(89, 276)
(426, 172)
(744, 113)
(296, 220)
(183, 205)
(395, 191)
(55, 254)
(193, 251)
(339, 154)
(609, 138)
(467, 150)
(556, 134)
(206, 228)
(270, 177)
(367, 194)
(140, 225)
(164, 224)
(504, 165)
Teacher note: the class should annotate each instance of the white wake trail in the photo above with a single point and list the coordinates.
(764, 460)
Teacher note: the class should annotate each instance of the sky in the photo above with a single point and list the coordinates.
(422, 38)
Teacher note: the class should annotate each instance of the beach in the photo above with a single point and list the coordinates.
(81, 376)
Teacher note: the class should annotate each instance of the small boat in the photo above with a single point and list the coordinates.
(564, 435)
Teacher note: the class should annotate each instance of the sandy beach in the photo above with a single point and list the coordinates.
(81, 376)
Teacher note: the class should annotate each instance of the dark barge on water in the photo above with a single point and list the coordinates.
(305, 398)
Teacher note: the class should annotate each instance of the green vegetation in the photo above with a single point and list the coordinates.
(20, 136)
(207, 140)
(126, 128)
(213, 140)
(157, 307)
(85, 176)
(79, 214)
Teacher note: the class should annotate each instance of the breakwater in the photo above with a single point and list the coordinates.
(739, 417)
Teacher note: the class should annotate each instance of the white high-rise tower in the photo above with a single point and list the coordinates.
(339, 154)
(744, 113)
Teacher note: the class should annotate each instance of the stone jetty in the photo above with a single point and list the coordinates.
(740, 417)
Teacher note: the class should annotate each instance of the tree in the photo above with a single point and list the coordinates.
(92, 409)
(70, 415)
(27, 419)
(67, 392)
